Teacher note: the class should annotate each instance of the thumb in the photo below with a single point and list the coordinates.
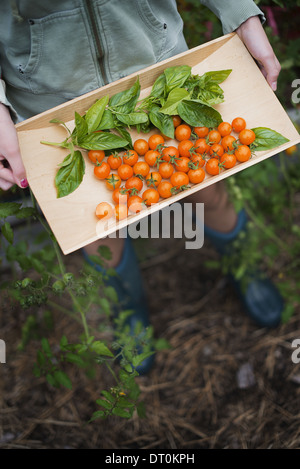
(272, 70)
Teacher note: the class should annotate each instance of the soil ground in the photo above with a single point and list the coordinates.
(224, 383)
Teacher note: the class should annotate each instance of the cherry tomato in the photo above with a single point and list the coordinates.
(155, 140)
(165, 189)
(134, 184)
(201, 146)
(216, 150)
(176, 120)
(102, 170)
(130, 157)
(152, 157)
(238, 124)
(113, 182)
(166, 170)
(150, 196)
(228, 142)
(212, 166)
(243, 153)
(182, 164)
(228, 160)
(179, 179)
(196, 175)
(125, 171)
(135, 203)
(104, 211)
(214, 136)
(114, 160)
(96, 155)
(246, 136)
(153, 179)
(121, 211)
(183, 132)
(170, 153)
(141, 146)
(201, 132)
(120, 195)
(185, 148)
(224, 129)
(198, 160)
(141, 168)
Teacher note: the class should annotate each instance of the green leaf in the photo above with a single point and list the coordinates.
(158, 89)
(7, 232)
(46, 347)
(94, 114)
(107, 405)
(122, 413)
(81, 126)
(266, 139)
(8, 209)
(217, 76)
(162, 121)
(69, 177)
(102, 141)
(105, 252)
(126, 100)
(176, 76)
(107, 121)
(126, 135)
(174, 98)
(100, 349)
(133, 118)
(197, 114)
(25, 212)
(211, 94)
(62, 379)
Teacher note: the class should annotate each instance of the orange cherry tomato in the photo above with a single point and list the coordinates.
(182, 164)
(214, 136)
(134, 184)
(228, 142)
(238, 124)
(170, 153)
(152, 157)
(135, 203)
(141, 168)
(125, 171)
(114, 160)
(243, 153)
(201, 146)
(113, 182)
(121, 211)
(246, 136)
(150, 196)
(155, 140)
(130, 157)
(179, 179)
(224, 129)
(212, 166)
(198, 160)
(165, 189)
(102, 170)
(183, 132)
(201, 132)
(141, 146)
(186, 148)
(216, 150)
(96, 155)
(228, 160)
(120, 195)
(104, 211)
(153, 179)
(166, 170)
(196, 175)
(176, 121)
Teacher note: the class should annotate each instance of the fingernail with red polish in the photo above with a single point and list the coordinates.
(24, 183)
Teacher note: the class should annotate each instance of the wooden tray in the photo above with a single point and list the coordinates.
(72, 218)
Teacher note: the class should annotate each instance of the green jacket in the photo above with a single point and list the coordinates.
(53, 51)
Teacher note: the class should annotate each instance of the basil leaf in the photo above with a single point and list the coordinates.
(211, 94)
(176, 76)
(9, 208)
(174, 98)
(102, 141)
(107, 121)
(266, 138)
(197, 114)
(81, 126)
(162, 121)
(126, 100)
(132, 118)
(125, 134)
(69, 177)
(217, 76)
(158, 89)
(94, 114)
(7, 232)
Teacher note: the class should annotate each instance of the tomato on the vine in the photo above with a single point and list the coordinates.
(186, 148)
(134, 184)
(120, 195)
(113, 182)
(170, 153)
(179, 179)
(228, 160)
(96, 155)
(196, 175)
(130, 157)
(182, 164)
(152, 157)
(201, 146)
(228, 142)
(216, 150)
(102, 170)
(114, 160)
(153, 179)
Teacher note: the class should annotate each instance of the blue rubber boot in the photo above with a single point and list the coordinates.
(260, 297)
(131, 295)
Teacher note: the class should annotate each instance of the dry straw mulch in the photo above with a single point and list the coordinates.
(224, 383)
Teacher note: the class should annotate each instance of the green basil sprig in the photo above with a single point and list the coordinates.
(266, 139)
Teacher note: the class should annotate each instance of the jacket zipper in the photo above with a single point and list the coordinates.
(100, 54)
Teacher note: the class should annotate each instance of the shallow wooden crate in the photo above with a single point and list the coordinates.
(72, 218)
